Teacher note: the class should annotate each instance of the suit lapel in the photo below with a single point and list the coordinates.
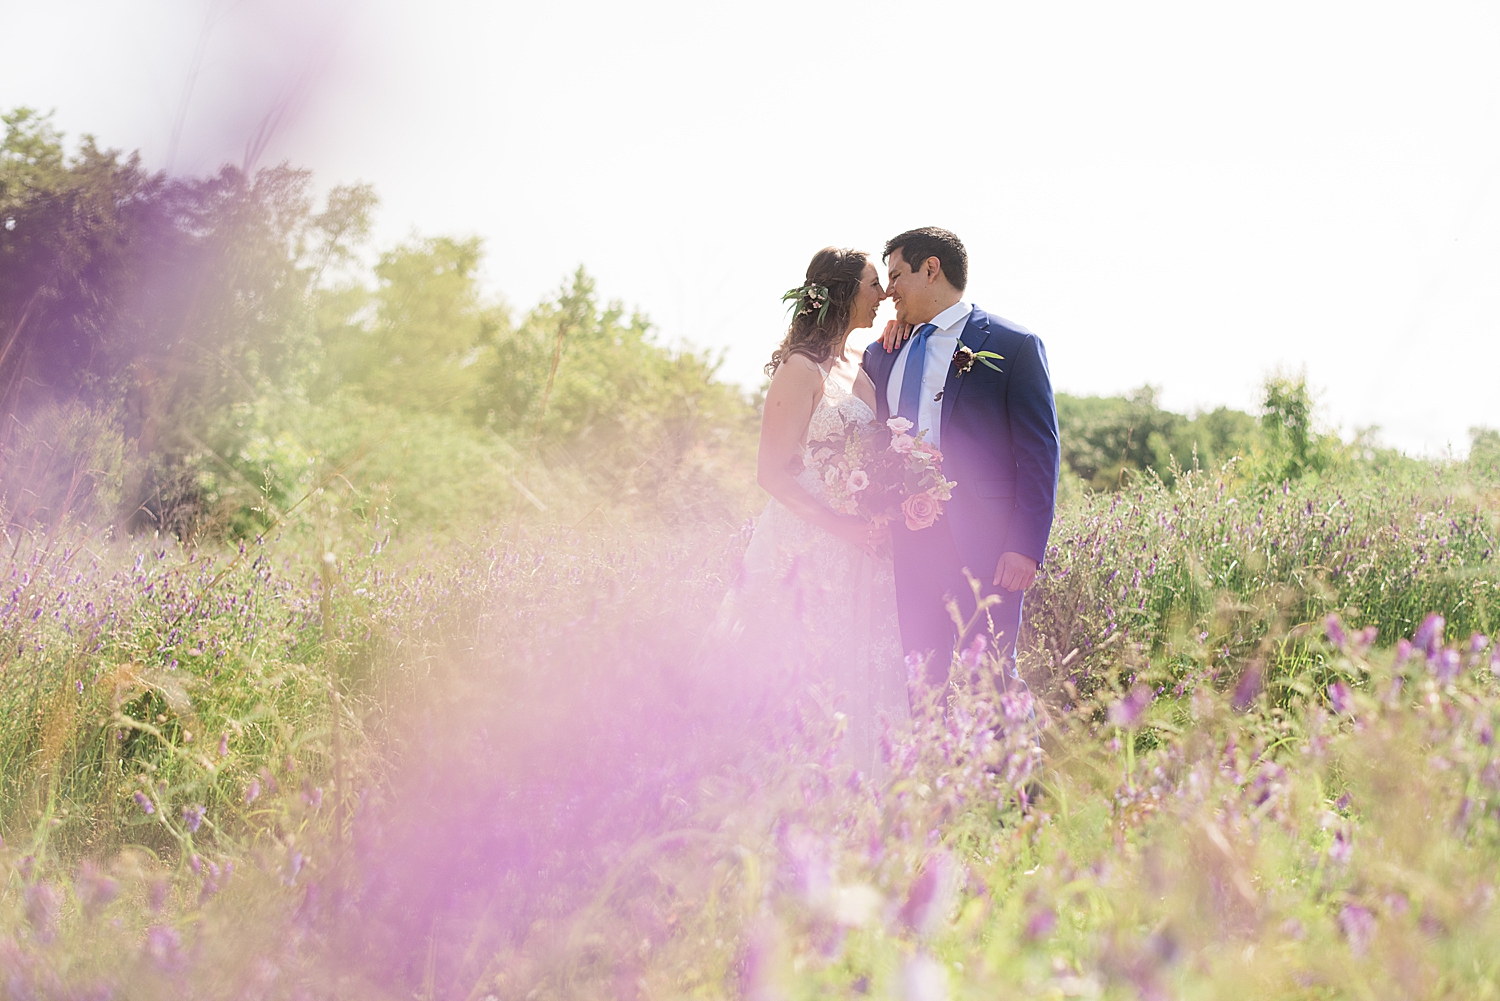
(881, 377)
(975, 336)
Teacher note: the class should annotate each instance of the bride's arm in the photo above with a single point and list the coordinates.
(791, 399)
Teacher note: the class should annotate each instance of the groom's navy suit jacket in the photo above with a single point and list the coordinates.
(999, 442)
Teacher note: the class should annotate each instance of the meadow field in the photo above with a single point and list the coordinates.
(357, 640)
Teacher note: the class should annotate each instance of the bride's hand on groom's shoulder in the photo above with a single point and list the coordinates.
(895, 335)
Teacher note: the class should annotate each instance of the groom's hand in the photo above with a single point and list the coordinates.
(1015, 572)
(895, 335)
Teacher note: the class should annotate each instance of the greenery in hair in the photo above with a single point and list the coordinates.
(808, 297)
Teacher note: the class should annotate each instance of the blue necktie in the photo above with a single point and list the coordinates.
(911, 379)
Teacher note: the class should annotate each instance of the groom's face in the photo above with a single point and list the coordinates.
(911, 292)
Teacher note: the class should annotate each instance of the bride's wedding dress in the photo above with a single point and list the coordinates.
(828, 605)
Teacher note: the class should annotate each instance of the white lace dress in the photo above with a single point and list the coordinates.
(828, 604)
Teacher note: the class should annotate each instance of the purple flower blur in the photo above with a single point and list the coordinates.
(1446, 666)
(144, 802)
(1040, 924)
(927, 901)
(43, 903)
(1126, 713)
(1249, 686)
(1358, 926)
(1334, 626)
(164, 947)
(192, 816)
(1429, 635)
(1341, 698)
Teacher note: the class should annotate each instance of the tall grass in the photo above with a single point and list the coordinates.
(529, 767)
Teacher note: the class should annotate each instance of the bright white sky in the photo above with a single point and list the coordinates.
(1186, 194)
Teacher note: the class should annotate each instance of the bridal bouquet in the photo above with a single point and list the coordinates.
(881, 473)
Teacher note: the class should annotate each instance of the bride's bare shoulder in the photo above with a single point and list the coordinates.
(798, 383)
(798, 370)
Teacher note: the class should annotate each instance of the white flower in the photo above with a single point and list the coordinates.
(900, 425)
(858, 480)
(855, 905)
(924, 979)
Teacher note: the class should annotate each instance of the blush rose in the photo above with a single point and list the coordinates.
(921, 510)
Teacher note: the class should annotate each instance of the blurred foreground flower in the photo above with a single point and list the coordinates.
(931, 894)
(1358, 926)
(1126, 713)
(923, 979)
(1341, 698)
(1429, 635)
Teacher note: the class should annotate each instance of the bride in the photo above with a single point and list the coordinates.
(831, 574)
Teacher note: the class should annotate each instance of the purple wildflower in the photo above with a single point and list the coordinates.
(1341, 698)
(164, 946)
(1429, 636)
(95, 890)
(1017, 707)
(1342, 849)
(927, 900)
(192, 816)
(916, 668)
(1358, 926)
(1040, 924)
(252, 790)
(144, 802)
(1334, 626)
(1127, 712)
(42, 906)
(1446, 665)
(1249, 687)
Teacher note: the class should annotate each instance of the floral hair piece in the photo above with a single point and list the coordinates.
(808, 297)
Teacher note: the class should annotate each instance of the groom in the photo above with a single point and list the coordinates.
(996, 427)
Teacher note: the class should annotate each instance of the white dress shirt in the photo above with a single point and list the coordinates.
(941, 344)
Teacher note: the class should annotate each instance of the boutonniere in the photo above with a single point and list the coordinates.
(965, 356)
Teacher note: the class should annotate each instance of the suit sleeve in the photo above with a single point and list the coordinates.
(1038, 456)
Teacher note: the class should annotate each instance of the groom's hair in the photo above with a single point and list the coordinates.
(916, 245)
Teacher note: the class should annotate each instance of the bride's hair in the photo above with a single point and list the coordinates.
(818, 327)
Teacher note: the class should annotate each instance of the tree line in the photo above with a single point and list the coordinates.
(202, 354)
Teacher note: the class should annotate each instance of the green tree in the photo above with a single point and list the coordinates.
(1484, 451)
(1293, 446)
(429, 330)
(644, 417)
(1109, 440)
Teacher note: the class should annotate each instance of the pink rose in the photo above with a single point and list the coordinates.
(902, 444)
(858, 480)
(900, 425)
(921, 510)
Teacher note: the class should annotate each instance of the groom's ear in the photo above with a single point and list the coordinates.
(932, 269)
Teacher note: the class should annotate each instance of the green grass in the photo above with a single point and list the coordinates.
(541, 781)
